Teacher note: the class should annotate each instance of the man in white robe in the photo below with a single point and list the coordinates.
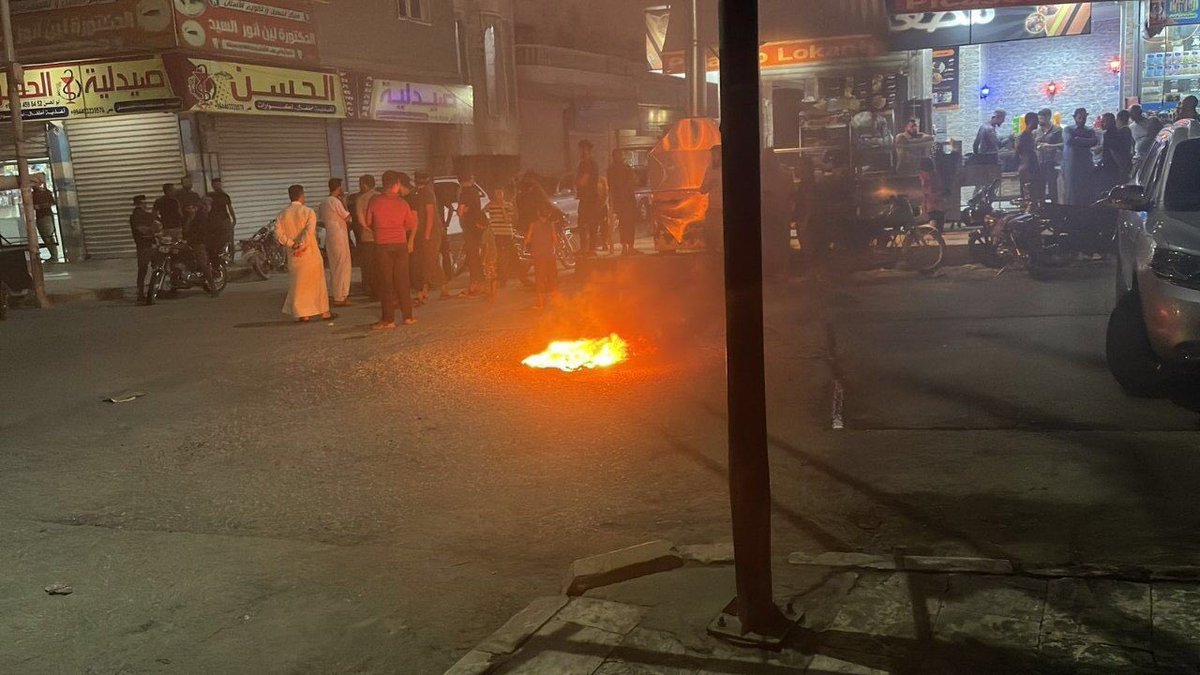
(296, 228)
(336, 218)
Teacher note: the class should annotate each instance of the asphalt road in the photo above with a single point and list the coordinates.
(302, 499)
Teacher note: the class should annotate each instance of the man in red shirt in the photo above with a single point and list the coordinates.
(392, 223)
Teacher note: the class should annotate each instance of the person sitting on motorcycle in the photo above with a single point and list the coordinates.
(199, 235)
(144, 225)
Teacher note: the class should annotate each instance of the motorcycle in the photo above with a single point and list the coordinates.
(263, 252)
(1042, 235)
(175, 268)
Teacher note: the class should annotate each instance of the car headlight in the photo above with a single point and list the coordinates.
(1176, 267)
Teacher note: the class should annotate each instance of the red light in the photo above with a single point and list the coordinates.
(1052, 89)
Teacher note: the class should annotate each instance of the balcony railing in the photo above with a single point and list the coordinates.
(573, 59)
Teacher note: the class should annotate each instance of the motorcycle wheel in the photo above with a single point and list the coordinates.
(924, 249)
(259, 265)
(565, 251)
(155, 286)
(220, 278)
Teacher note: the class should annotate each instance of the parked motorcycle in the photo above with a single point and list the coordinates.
(175, 268)
(263, 252)
(1043, 236)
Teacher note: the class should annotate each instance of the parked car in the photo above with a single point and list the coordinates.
(1154, 332)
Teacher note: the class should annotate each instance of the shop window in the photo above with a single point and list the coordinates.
(414, 10)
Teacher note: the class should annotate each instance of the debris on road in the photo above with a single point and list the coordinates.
(59, 589)
(125, 397)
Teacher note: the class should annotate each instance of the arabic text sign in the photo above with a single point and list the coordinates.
(277, 29)
(915, 6)
(396, 101)
(949, 29)
(63, 29)
(92, 90)
(222, 86)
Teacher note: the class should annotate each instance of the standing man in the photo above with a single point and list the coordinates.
(1079, 169)
(587, 189)
(189, 201)
(363, 237)
(337, 242)
(221, 217)
(167, 211)
(1187, 109)
(392, 224)
(43, 205)
(1049, 139)
(622, 185)
(987, 139)
(1028, 165)
(431, 231)
(502, 216)
(143, 225)
(1139, 126)
(296, 228)
(471, 219)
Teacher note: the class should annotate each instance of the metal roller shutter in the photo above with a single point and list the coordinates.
(115, 158)
(259, 157)
(35, 141)
(375, 147)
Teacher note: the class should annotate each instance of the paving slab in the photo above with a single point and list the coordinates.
(1177, 624)
(1000, 612)
(1099, 610)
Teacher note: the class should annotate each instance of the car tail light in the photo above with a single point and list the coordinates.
(1177, 267)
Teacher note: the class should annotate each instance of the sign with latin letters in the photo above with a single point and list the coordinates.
(797, 52)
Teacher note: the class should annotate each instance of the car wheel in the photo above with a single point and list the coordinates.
(1131, 360)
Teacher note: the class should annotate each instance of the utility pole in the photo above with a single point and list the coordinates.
(15, 84)
(697, 65)
(761, 622)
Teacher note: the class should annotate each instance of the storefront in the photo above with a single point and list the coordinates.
(1169, 62)
(392, 123)
(261, 129)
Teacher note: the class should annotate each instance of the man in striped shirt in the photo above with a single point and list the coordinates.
(501, 216)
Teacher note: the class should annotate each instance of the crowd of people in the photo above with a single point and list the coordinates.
(1077, 164)
(396, 232)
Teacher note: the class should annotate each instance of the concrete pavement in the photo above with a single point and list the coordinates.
(853, 619)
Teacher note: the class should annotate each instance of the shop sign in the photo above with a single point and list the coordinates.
(945, 79)
(274, 30)
(948, 29)
(1165, 13)
(53, 30)
(93, 89)
(796, 52)
(915, 6)
(397, 101)
(207, 85)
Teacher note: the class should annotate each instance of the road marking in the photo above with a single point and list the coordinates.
(839, 395)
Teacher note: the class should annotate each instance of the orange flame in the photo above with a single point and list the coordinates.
(572, 355)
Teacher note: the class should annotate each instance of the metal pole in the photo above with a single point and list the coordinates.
(749, 466)
(697, 67)
(15, 77)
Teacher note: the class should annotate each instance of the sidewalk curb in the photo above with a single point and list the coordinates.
(621, 565)
(111, 293)
(585, 574)
(995, 566)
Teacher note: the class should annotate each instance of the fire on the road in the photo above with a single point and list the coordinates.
(572, 355)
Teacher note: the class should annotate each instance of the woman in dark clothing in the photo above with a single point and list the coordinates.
(1116, 155)
(1028, 167)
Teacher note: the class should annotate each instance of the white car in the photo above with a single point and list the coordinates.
(448, 189)
(1154, 331)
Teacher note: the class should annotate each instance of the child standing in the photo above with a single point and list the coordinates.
(931, 191)
(498, 240)
(542, 237)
